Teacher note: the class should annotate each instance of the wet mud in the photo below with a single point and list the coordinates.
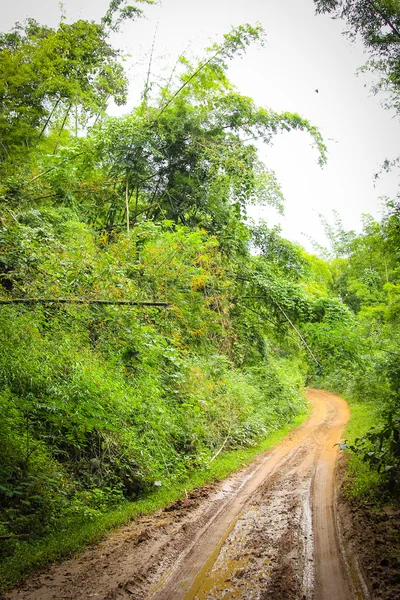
(267, 532)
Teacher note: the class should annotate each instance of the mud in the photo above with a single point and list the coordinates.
(268, 531)
(371, 535)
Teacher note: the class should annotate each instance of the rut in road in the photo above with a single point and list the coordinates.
(269, 531)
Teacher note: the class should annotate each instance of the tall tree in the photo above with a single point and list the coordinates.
(56, 75)
(188, 154)
(378, 23)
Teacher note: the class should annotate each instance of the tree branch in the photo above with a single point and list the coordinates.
(384, 17)
(83, 301)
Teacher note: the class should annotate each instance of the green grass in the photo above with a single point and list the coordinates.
(74, 536)
(362, 482)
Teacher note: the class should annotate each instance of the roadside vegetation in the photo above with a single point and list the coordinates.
(366, 274)
(365, 270)
(152, 337)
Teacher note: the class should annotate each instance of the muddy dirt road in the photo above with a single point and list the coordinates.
(267, 532)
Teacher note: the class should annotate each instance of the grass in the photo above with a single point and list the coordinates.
(74, 536)
(362, 482)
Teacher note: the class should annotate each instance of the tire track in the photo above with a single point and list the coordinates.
(266, 532)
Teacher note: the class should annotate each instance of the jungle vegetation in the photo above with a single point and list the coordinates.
(156, 325)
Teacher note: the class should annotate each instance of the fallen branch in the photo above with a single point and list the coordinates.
(82, 301)
(220, 450)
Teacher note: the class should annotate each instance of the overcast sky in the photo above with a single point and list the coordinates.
(303, 53)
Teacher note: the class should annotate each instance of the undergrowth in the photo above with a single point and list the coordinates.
(72, 534)
(362, 482)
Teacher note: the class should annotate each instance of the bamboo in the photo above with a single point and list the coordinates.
(82, 301)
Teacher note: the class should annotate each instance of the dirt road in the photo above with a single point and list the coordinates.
(267, 532)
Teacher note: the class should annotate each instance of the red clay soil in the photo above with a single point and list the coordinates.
(270, 531)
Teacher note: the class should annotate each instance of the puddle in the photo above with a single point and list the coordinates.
(238, 566)
(219, 583)
(276, 530)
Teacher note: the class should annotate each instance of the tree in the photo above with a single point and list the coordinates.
(378, 23)
(286, 258)
(187, 155)
(49, 77)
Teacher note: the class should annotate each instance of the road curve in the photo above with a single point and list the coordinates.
(267, 532)
(291, 494)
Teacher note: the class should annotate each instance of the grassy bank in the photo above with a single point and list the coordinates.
(76, 534)
(362, 482)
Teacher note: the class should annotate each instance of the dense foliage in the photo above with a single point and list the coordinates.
(103, 403)
(365, 267)
(367, 280)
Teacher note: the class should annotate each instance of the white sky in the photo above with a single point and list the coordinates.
(303, 52)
